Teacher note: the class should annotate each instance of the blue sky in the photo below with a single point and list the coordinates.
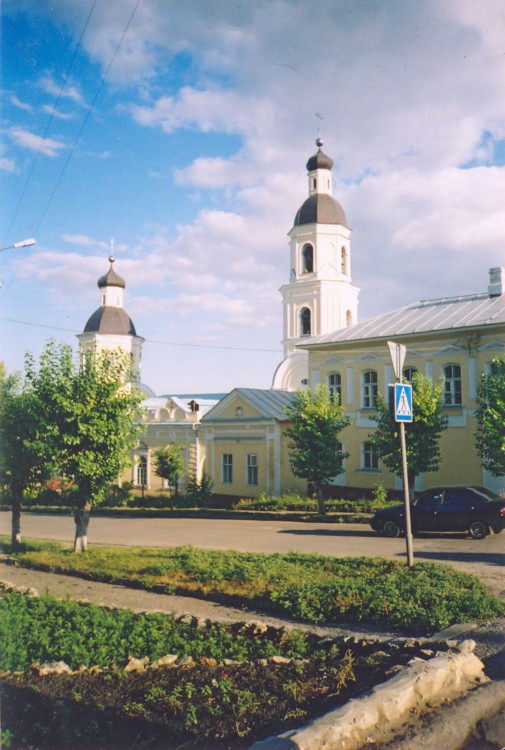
(181, 130)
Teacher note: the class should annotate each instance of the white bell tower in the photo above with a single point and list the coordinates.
(110, 326)
(320, 297)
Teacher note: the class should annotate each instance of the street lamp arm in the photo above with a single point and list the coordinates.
(22, 243)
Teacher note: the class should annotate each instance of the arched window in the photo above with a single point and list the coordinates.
(307, 258)
(343, 256)
(369, 389)
(452, 386)
(305, 322)
(142, 471)
(348, 319)
(335, 386)
(408, 374)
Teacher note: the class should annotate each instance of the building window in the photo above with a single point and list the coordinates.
(142, 471)
(343, 256)
(452, 387)
(369, 457)
(335, 386)
(369, 389)
(307, 259)
(408, 374)
(252, 468)
(348, 319)
(227, 468)
(305, 322)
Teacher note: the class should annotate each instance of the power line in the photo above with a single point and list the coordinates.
(51, 118)
(149, 341)
(86, 118)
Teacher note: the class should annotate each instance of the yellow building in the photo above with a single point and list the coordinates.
(246, 451)
(451, 340)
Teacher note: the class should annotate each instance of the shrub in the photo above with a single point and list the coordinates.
(198, 491)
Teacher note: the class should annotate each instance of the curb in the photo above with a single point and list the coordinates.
(376, 715)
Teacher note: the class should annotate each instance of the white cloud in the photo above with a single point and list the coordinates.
(205, 110)
(20, 105)
(61, 91)
(56, 113)
(7, 165)
(46, 146)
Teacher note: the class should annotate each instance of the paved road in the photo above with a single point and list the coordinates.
(485, 558)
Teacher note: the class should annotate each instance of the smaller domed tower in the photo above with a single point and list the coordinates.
(320, 297)
(110, 327)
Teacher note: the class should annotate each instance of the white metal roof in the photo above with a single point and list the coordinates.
(445, 314)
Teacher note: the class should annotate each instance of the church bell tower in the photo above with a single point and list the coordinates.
(110, 326)
(320, 297)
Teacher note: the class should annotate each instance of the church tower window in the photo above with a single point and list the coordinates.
(348, 319)
(344, 261)
(307, 258)
(305, 321)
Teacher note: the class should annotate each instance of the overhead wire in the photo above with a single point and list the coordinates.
(148, 341)
(51, 118)
(86, 118)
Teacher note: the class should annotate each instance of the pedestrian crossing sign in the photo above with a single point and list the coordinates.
(403, 402)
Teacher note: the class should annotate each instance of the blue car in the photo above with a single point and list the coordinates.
(474, 510)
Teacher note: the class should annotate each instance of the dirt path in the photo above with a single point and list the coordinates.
(112, 595)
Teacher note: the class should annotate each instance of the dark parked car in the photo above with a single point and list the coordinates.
(473, 509)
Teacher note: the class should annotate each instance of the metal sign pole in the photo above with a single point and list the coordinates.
(408, 527)
(398, 352)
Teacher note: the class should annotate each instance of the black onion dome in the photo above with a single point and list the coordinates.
(110, 320)
(319, 160)
(320, 208)
(111, 278)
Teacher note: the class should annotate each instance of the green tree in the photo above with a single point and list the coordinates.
(26, 457)
(169, 464)
(315, 450)
(490, 412)
(91, 411)
(199, 491)
(422, 435)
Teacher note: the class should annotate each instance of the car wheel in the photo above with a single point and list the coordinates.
(478, 530)
(391, 529)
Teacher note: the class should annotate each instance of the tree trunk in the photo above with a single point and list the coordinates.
(412, 484)
(321, 508)
(81, 518)
(16, 518)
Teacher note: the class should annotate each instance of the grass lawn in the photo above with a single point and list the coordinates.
(311, 588)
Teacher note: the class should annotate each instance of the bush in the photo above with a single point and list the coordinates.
(294, 502)
(199, 491)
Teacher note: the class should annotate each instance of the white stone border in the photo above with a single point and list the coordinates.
(442, 678)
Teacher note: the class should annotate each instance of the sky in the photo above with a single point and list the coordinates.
(177, 133)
